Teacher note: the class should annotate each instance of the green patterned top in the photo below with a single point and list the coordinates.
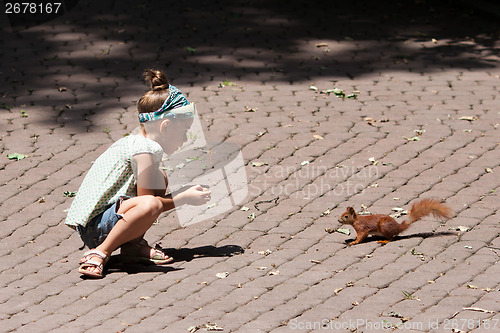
(112, 175)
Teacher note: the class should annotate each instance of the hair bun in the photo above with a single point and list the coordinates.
(157, 79)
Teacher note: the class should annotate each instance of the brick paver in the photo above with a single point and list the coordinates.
(424, 123)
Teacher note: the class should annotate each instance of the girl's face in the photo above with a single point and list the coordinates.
(173, 134)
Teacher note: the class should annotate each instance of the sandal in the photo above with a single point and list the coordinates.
(88, 261)
(135, 252)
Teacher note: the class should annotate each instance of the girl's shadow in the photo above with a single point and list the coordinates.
(115, 263)
(186, 254)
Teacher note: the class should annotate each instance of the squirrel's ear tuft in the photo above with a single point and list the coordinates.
(351, 210)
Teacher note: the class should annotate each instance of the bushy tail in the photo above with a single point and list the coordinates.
(427, 207)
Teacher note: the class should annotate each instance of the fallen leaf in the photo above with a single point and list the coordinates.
(478, 309)
(321, 44)
(415, 138)
(460, 228)
(248, 109)
(276, 272)
(222, 275)
(244, 209)
(304, 163)
(312, 87)
(262, 268)
(419, 132)
(266, 252)
(318, 137)
(315, 261)
(468, 118)
(415, 252)
(16, 156)
(336, 291)
(143, 298)
(370, 121)
(259, 164)
(69, 194)
(344, 231)
(488, 170)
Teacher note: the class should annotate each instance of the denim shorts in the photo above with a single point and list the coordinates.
(97, 229)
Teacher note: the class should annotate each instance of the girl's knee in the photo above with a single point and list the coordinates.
(151, 204)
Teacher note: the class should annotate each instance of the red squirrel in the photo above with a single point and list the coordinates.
(384, 225)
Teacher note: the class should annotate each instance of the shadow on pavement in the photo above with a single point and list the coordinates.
(423, 235)
(187, 254)
(116, 265)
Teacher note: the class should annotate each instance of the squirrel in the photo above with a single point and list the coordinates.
(384, 225)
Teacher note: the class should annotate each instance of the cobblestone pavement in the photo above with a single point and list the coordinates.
(268, 76)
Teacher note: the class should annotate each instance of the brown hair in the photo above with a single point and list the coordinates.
(154, 98)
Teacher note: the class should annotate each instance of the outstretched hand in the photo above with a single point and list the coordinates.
(195, 195)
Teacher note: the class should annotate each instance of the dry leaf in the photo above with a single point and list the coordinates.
(478, 309)
(468, 118)
(259, 164)
(336, 291)
(326, 213)
(318, 137)
(460, 228)
(222, 275)
(276, 272)
(266, 252)
(248, 109)
(207, 327)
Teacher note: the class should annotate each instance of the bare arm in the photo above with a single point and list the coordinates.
(152, 181)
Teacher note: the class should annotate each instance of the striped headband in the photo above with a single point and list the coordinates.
(175, 100)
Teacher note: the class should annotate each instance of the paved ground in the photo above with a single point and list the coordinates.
(424, 124)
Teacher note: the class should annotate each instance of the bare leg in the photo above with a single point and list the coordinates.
(139, 214)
